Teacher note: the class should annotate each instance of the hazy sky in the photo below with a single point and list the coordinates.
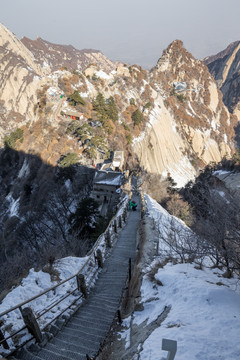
(135, 31)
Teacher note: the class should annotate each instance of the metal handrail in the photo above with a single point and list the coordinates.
(90, 279)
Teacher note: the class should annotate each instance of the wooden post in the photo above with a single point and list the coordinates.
(129, 269)
(157, 247)
(31, 323)
(108, 239)
(120, 221)
(125, 215)
(3, 341)
(88, 357)
(119, 316)
(99, 258)
(115, 226)
(82, 284)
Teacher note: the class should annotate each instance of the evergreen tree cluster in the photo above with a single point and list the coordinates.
(10, 141)
(75, 99)
(137, 117)
(106, 108)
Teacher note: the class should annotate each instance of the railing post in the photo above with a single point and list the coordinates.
(129, 269)
(3, 341)
(108, 239)
(125, 215)
(157, 248)
(82, 284)
(115, 226)
(120, 221)
(31, 323)
(171, 347)
(88, 357)
(99, 258)
(119, 315)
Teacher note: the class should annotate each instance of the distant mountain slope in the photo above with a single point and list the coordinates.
(167, 120)
(225, 68)
(54, 56)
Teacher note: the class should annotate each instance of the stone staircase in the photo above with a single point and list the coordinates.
(82, 336)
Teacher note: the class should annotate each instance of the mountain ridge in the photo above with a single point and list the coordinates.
(183, 124)
(60, 56)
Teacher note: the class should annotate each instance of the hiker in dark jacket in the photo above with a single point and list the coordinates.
(134, 206)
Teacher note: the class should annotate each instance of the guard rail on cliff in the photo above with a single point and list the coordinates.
(30, 324)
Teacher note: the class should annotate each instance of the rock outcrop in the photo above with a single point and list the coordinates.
(225, 68)
(190, 125)
(20, 78)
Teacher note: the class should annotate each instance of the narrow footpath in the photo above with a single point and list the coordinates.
(86, 330)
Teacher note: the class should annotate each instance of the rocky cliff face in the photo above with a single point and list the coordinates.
(190, 125)
(225, 68)
(20, 79)
(170, 119)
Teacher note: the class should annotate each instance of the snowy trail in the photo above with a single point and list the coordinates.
(85, 332)
(201, 308)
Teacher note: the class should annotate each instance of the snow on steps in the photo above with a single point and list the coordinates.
(87, 329)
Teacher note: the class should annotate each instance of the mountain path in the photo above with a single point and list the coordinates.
(86, 330)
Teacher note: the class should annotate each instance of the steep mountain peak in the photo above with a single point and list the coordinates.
(225, 68)
(222, 54)
(175, 45)
(11, 45)
(174, 57)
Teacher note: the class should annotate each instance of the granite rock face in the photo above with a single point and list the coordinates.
(225, 68)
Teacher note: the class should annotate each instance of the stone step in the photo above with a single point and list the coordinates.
(87, 325)
(98, 317)
(47, 354)
(68, 349)
(95, 308)
(26, 355)
(79, 331)
(90, 318)
(75, 342)
(106, 297)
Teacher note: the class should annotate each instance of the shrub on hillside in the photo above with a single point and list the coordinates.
(155, 186)
(129, 139)
(75, 99)
(65, 85)
(137, 117)
(176, 206)
(132, 101)
(69, 160)
(10, 141)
